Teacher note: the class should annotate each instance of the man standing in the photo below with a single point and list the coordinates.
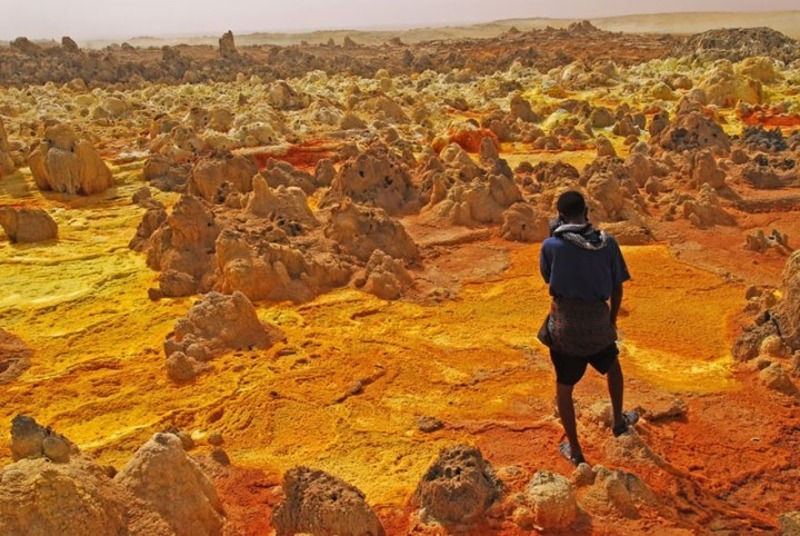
(585, 271)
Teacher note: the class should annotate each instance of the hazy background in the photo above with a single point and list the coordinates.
(94, 19)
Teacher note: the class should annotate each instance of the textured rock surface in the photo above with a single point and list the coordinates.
(212, 326)
(25, 225)
(65, 163)
(319, 503)
(29, 439)
(7, 165)
(166, 479)
(458, 487)
(549, 502)
(15, 356)
(38, 498)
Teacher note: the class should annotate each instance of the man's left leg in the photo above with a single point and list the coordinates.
(616, 389)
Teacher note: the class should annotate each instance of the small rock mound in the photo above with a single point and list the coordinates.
(618, 492)
(778, 318)
(38, 498)
(736, 44)
(15, 356)
(26, 225)
(361, 230)
(549, 502)
(523, 223)
(184, 243)
(211, 327)
(65, 163)
(165, 478)
(458, 488)
(29, 439)
(376, 177)
(208, 174)
(385, 277)
(690, 132)
(320, 504)
(7, 165)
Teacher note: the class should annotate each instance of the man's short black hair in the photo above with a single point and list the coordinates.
(571, 204)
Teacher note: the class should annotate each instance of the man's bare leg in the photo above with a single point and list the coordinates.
(566, 410)
(615, 391)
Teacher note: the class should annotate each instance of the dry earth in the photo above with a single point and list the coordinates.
(378, 362)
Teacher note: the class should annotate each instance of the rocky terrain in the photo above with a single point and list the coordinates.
(294, 289)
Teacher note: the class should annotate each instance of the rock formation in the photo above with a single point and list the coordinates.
(65, 163)
(15, 356)
(376, 177)
(31, 440)
(384, 276)
(458, 487)
(7, 165)
(38, 498)
(523, 223)
(212, 326)
(692, 131)
(361, 230)
(618, 492)
(184, 243)
(286, 207)
(735, 44)
(208, 174)
(169, 482)
(227, 48)
(25, 225)
(549, 503)
(319, 503)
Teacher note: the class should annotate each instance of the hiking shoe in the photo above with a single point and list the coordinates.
(629, 418)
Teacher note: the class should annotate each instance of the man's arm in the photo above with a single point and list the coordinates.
(544, 264)
(616, 301)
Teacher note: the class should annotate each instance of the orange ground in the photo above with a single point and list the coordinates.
(98, 374)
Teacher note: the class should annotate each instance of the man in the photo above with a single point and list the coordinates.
(585, 271)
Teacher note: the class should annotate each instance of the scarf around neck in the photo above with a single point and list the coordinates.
(582, 235)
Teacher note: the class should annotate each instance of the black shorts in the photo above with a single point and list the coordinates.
(570, 369)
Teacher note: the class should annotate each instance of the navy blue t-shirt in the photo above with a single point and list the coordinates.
(577, 273)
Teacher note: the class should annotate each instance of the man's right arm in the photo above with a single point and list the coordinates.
(544, 263)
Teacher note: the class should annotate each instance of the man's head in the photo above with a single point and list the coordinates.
(571, 206)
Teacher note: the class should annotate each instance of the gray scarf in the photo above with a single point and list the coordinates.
(582, 235)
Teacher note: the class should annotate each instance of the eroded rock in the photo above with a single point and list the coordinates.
(458, 488)
(65, 163)
(319, 503)
(166, 479)
(27, 225)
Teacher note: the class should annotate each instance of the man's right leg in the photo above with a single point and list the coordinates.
(566, 410)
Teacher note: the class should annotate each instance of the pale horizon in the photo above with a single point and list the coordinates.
(95, 19)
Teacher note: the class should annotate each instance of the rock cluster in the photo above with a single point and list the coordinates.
(775, 335)
(53, 489)
(211, 327)
(65, 163)
(31, 440)
(735, 44)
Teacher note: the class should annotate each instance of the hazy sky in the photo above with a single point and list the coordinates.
(91, 19)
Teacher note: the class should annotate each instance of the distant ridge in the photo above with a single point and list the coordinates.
(786, 22)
